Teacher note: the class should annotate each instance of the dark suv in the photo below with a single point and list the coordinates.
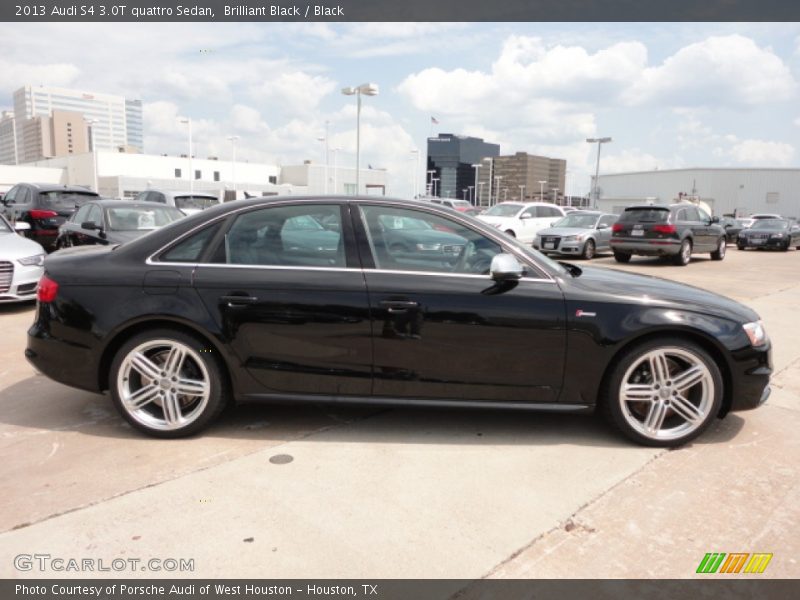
(675, 231)
(44, 207)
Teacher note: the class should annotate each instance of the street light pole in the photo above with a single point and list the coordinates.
(541, 190)
(480, 192)
(497, 179)
(599, 142)
(91, 123)
(477, 168)
(471, 194)
(232, 140)
(555, 195)
(191, 169)
(367, 89)
(434, 181)
(521, 193)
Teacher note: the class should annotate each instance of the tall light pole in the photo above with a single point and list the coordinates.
(366, 89)
(521, 193)
(477, 167)
(497, 179)
(431, 173)
(91, 123)
(471, 194)
(232, 139)
(434, 180)
(480, 192)
(415, 152)
(191, 169)
(541, 190)
(599, 142)
(555, 195)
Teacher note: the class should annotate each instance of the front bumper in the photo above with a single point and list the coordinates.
(646, 247)
(22, 287)
(570, 248)
(751, 372)
(762, 243)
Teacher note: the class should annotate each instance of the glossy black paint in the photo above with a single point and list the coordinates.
(777, 234)
(357, 333)
(28, 201)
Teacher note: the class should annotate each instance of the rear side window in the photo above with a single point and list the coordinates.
(192, 248)
(644, 215)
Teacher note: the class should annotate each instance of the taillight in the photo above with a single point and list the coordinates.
(616, 227)
(664, 228)
(42, 214)
(48, 289)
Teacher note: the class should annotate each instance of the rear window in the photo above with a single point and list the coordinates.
(201, 202)
(644, 215)
(58, 199)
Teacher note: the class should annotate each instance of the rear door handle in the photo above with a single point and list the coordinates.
(395, 306)
(238, 300)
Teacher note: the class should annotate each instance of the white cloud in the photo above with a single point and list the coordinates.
(296, 91)
(763, 153)
(635, 160)
(719, 71)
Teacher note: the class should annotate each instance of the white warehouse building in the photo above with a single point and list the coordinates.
(739, 191)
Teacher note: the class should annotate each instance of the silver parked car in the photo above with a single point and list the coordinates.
(581, 233)
(187, 202)
(21, 263)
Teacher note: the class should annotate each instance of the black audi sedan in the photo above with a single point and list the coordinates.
(44, 207)
(111, 222)
(779, 234)
(225, 306)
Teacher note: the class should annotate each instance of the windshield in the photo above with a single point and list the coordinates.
(60, 199)
(503, 210)
(201, 202)
(644, 215)
(770, 224)
(136, 218)
(578, 221)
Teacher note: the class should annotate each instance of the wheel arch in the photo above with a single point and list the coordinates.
(135, 327)
(701, 338)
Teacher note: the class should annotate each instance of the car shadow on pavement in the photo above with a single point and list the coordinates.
(40, 405)
(17, 308)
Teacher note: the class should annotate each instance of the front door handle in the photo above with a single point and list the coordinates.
(396, 306)
(238, 300)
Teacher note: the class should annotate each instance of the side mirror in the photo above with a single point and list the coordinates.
(602, 226)
(505, 267)
(90, 225)
(525, 216)
(715, 219)
(22, 226)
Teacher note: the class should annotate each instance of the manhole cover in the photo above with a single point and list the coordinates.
(281, 459)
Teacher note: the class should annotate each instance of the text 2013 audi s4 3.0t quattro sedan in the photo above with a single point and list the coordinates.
(232, 304)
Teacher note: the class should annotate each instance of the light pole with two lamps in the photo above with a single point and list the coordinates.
(366, 89)
(599, 142)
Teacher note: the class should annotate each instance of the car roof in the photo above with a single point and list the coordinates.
(182, 192)
(111, 203)
(52, 187)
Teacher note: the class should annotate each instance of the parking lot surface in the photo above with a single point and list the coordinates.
(280, 492)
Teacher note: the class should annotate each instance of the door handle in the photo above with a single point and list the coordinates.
(238, 300)
(396, 306)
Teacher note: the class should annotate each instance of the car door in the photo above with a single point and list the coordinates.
(710, 231)
(528, 224)
(71, 231)
(291, 300)
(443, 330)
(603, 234)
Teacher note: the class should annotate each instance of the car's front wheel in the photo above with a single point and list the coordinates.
(664, 392)
(719, 253)
(589, 250)
(167, 383)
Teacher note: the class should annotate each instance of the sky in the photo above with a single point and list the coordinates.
(670, 95)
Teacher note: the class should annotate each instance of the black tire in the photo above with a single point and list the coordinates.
(719, 253)
(621, 257)
(511, 233)
(200, 352)
(684, 255)
(623, 419)
(740, 246)
(786, 247)
(589, 250)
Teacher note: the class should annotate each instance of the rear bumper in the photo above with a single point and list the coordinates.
(62, 361)
(646, 247)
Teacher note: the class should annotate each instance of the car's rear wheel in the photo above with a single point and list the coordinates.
(719, 253)
(684, 255)
(621, 257)
(588, 250)
(167, 383)
(664, 392)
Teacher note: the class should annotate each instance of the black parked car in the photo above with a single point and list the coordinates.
(732, 228)
(44, 207)
(177, 323)
(779, 234)
(114, 222)
(676, 231)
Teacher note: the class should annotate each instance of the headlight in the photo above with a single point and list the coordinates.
(776, 235)
(756, 332)
(32, 261)
(570, 238)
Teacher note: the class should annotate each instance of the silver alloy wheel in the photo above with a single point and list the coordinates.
(686, 251)
(163, 384)
(588, 249)
(667, 393)
(722, 248)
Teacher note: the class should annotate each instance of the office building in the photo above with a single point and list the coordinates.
(8, 139)
(522, 176)
(450, 160)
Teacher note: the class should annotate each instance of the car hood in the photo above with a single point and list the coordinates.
(564, 231)
(616, 286)
(13, 246)
(494, 220)
(120, 237)
(746, 232)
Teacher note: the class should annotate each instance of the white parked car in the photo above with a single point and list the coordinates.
(21, 263)
(188, 203)
(522, 219)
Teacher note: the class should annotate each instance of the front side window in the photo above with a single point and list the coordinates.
(408, 240)
(95, 215)
(308, 235)
(83, 212)
(503, 210)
